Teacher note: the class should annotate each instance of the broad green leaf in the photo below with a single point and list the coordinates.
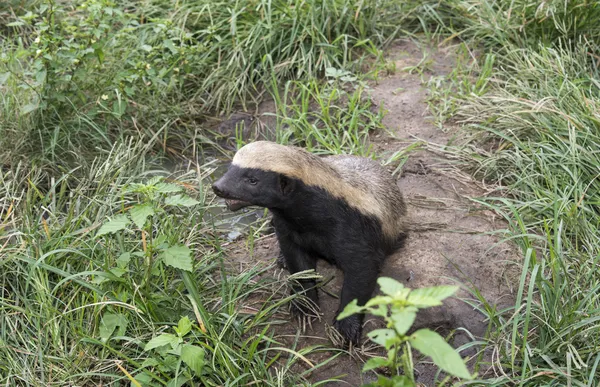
(374, 363)
(26, 109)
(110, 321)
(403, 320)
(40, 76)
(123, 260)
(379, 310)
(118, 272)
(194, 357)
(170, 363)
(442, 354)
(154, 180)
(179, 257)
(432, 296)
(100, 278)
(331, 72)
(119, 107)
(168, 43)
(162, 340)
(150, 362)
(379, 300)
(117, 223)
(140, 213)
(184, 326)
(168, 188)
(179, 381)
(350, 309)
(390, 286)
(142, 378)
(395, 381)
(384, 337)
(181, 200)
(134, 187)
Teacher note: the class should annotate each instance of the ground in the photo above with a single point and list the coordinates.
(453, 240)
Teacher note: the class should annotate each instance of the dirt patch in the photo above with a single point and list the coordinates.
(462, 251)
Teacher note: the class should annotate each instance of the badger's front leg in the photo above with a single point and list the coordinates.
(360, 281)
(296, 260)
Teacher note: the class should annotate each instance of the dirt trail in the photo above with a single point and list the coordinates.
(435, 192)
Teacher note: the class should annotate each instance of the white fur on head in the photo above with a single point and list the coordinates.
(311, 170)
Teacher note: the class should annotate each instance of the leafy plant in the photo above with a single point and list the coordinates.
(399, 307)
(173, 351)
(155, 196)
(88, 294)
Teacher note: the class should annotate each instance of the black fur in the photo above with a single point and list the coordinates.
(310, 224)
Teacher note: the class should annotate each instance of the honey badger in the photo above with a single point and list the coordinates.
(345, 209)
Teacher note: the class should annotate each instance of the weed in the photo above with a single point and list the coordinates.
(399, 306)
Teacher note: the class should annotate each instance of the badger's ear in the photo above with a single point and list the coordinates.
(286, 185)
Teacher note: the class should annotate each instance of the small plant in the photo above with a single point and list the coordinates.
(174, 351)
(399, 307)
(155, 196)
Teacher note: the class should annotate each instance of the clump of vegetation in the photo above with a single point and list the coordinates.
(543, 118)
(74, 77)
(398, 307)
(326, 118)
(535, 130)
(144, 295)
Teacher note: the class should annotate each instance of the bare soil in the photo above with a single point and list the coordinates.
(461, 250)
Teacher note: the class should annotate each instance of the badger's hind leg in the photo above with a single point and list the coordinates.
(360, 280)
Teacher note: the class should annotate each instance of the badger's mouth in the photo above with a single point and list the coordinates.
(234, 204)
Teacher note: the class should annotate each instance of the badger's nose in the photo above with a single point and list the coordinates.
(216, 189)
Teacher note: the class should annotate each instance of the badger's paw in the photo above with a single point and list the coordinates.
(350, 328)
(281, 261)
(304, 308)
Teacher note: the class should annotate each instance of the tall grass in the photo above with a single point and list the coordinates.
(249, 44)
(86, 75)
(326, 118)
(77, 308)
(536, 131)
(544, 115)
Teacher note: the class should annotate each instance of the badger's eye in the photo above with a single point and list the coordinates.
(252, 181)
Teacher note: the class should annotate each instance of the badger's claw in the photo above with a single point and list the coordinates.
(281, 261)
(305, 306)
(350, 328)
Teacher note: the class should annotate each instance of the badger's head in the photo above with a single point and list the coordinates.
(257, 177)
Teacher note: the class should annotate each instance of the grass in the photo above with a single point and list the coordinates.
(545, 122)
(326, 119)
(108, 274)
(80, 305)
(94, 73)
(94, 94)
(534, 129)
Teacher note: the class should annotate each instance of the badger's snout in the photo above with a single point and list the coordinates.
(216, 187)
(233, 203)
